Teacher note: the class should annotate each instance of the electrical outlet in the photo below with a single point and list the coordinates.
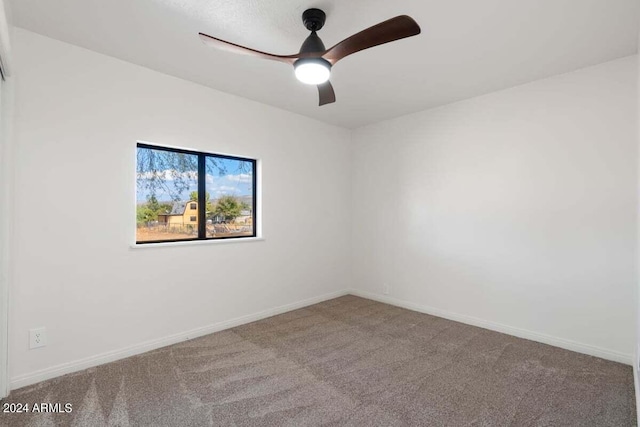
(37, 337)
(386, 289)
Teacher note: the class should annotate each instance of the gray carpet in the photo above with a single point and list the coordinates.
(344, 362)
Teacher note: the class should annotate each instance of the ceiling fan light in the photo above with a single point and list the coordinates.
(312, 71)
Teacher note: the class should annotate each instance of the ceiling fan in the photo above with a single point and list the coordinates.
(313, 63)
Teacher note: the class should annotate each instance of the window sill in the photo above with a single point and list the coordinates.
(196, 242)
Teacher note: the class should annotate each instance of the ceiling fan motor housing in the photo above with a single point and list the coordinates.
(312, 44)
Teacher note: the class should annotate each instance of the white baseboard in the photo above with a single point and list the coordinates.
(99, 359)
(510, 330)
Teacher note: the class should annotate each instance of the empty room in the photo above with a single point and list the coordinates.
(319, 213)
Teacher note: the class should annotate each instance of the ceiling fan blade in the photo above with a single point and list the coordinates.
(390, 30)
(327, 95)
(236, 48)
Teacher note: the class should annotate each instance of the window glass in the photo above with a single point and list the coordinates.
(230, 197)
(166, 181)
(172, 184)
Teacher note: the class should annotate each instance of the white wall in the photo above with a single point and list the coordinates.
(515, 210)
(636, 361)
(4, 251)
(6, 191)
(6, 209)
(78, 116)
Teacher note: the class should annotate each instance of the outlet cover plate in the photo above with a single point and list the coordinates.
(37, 337)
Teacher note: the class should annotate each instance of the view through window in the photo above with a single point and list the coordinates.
(188, 195)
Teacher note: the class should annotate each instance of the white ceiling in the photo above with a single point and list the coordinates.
(467, 47)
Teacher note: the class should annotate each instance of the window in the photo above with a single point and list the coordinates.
(173, 183)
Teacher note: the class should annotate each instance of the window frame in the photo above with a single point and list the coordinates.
(202, 186)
